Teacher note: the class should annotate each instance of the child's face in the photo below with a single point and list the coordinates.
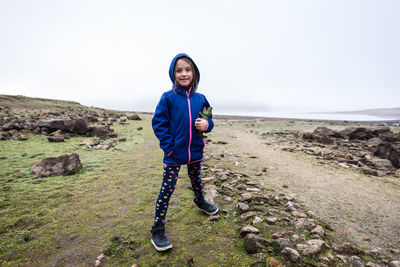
(183, 73)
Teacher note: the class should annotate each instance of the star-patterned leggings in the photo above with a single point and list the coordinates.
(170, 178)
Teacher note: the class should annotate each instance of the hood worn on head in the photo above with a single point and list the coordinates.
(173, 63)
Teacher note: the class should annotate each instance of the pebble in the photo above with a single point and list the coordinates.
(214, 217)
(318, 231)
(253, 189)
(299, 214)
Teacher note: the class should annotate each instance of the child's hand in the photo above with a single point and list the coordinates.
(200, 124)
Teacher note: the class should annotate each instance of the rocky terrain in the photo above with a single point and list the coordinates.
(78, 184)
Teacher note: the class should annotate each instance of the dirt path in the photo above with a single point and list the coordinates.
(360, 208)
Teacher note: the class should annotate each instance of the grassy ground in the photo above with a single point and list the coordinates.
(107, 207)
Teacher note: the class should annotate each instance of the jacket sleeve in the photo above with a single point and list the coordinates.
(209, 120)
(160, 123)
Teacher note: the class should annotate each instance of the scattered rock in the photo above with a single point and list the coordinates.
(318, 231)
(134, 117)
(254, 243)
(54, 166)
(257, 220)
(248, 229)
(283, 243)
(394, 264)
(311, 247)
(271, 220)
(291, 254)
(214, 217)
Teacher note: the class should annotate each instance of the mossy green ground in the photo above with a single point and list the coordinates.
(72, 219)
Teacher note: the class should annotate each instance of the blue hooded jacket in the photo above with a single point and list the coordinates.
(173, 122)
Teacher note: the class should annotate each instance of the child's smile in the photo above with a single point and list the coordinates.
(183, 73)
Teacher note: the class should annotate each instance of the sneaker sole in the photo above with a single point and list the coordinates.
(211, 213)
(160, 248)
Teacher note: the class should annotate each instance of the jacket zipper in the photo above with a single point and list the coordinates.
(190, 123)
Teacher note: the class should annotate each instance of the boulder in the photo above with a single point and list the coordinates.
(78, 126)
(134, 117)
(323, 131)
(52, 125)
(54, 166)
(99, 130)
(387, 151)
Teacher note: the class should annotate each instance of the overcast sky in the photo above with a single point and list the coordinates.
(256, 56)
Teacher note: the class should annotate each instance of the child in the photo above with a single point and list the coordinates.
(175, 122)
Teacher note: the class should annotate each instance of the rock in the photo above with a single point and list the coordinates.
(374, 142)
(78, 126)
(210, 192)
(214, 217)
(290, 254)
(4, 136)
(253, 196)
(271, 220)
(382, 163)
(323, 131)
(139, 128)
(208, 180)
(299, 214)
(243, 207)
(99, 130)
(257, 220)
(134, 117)
(394, 264)
(387, 151)
(248, 229)
(304, 223)
(347, 248)
(283, 243)
(290, 206)
(253, 189)
(56, 138)
(247, 215)
(327, 258)
(295, 238)
(311, 247)
(53, 125)
(355, 261)
(54, 166)
(22, 137)
(254, 243)
(318, 231)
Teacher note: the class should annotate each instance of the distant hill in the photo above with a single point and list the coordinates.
(381, 112)
(24, 102)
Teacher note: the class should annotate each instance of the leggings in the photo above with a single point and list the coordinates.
(170, 177)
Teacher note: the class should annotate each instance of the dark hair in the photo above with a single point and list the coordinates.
(194, 82)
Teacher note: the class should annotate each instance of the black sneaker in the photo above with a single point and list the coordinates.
(207, 207)
(158, 238)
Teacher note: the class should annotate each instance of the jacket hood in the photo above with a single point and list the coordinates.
(172, 66)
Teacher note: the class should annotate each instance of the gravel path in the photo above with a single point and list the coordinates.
(361, 209)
